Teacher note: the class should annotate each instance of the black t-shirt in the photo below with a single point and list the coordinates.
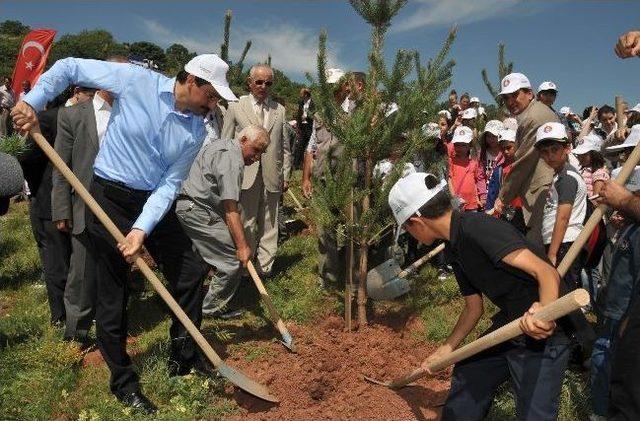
(477, 245)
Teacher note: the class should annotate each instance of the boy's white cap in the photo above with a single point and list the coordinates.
(565, 110)
(508, 135)
(474, 99)
(551, 130)
(512, 82)
(630, 142)
(469, 113)
(213, 69)
(494, 127)
(635, 109)
(633, 182)
(510, 123)
(333, 75)
(409, 194)
(462, 134)
(591, 142)
(547, 86)
(445, 113)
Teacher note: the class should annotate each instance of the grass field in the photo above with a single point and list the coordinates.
(42, 377)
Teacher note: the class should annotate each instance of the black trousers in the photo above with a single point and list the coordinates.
(624, 404)
(300, 145)
(181, 265)
(54, 248)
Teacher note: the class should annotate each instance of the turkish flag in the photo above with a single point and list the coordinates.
(32, 58)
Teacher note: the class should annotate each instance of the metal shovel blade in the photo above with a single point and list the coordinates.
(388, 384)
(245, 383)
(383, 282)
(287, 341)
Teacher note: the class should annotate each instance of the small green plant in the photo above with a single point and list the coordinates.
(14, 145)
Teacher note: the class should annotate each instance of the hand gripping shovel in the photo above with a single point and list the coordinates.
(287, 340)
(387, 281)
(231, 374)
(559, 308)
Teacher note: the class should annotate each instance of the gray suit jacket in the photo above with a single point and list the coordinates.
(77, 144)
(276, 161)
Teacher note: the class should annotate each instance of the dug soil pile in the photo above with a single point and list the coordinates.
(324, 380)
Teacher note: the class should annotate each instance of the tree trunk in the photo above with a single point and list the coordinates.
(348, 289)
(364, 249)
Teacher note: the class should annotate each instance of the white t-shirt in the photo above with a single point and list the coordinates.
(568, 187)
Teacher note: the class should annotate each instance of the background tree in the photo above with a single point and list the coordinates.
(96, 44)
(504, 69)
(145, 50)
(14, 28)
(177, 55)
(368, 136)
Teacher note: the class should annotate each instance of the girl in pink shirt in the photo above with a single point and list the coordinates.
(465, 173)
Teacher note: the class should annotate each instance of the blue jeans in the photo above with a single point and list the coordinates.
(601, 359)
(534, 368)
(591, 278)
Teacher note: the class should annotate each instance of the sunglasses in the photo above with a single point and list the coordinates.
(263, 82)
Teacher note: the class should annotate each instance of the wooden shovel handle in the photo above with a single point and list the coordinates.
(115, 232)
(619, 112)
(273, 313)
(299, 206)
(560, 307)
(421, 261)
(597, 214)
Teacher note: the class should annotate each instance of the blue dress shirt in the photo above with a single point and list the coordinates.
(149, 145)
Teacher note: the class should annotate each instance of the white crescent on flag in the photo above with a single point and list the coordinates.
(33, 44)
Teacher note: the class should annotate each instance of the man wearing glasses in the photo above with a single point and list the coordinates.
(154, 133)
(265, 180)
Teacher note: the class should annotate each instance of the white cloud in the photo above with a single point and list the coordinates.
(448, 12)
(292, 49)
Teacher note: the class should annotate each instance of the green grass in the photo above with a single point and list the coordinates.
(41, 377)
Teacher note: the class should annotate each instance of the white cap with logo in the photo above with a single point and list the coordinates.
(473, 100)
(213, 69)
(512, 82)
(565, 110)
(551, 130)
(507, 135)
(630, 142)
(445, 113)
(633, 182)
(547, 86)
(410, 193)
(462, 135)
(494, 127)
(591, 142)
(333, 75)
(469, 113)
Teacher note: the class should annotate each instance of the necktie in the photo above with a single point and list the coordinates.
(261, 114)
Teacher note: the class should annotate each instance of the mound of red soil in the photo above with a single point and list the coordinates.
(325, 379)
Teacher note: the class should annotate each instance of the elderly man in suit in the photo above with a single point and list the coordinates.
(81, 129)
(264, 181)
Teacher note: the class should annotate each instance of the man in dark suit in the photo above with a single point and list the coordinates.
(54, 246)
(80, 131)
(304, 124)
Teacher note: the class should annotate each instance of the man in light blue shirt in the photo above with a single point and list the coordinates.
(154, 133)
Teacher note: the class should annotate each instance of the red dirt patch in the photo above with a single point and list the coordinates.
(324, 381)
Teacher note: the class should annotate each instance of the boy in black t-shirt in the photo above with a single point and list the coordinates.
(489, 257)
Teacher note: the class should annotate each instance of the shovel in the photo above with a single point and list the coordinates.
(387, 281)
(287, 340)
(555, 310)
(231, 374)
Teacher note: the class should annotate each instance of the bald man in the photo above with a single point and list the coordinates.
(264, 181)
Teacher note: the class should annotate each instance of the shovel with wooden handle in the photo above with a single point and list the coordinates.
(231, 374)
(287, 339)
(553, 311)
(296, 202)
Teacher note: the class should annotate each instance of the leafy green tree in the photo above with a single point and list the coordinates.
(368, 136)
(504, 68)
(96, 44)
(14, 28)
(177, 56)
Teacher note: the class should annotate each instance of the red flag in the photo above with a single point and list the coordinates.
(32, 58)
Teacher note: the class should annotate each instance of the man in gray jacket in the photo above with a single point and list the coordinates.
(208, 210)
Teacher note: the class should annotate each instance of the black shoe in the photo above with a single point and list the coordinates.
(137, 401)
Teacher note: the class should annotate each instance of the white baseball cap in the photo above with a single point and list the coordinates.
(565, 110)
(431, 130)
(512, 82)
(334, 74)
(590, 142)
(445, 113)
(410, 193)
(510, 123)
(474, 99)
(469, 113)
(551, 130)
(462, 135)
(633, 182)
(494, 127)
(547, 86)
(635, 109)
(213, 69)
(630, 142)
(507, 134)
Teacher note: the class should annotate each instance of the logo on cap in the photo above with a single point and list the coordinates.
(506, 83)
(552, 85)
(461, 132)
(580, 141)
(547, 129)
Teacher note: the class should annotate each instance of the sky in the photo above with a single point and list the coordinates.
(568, 42)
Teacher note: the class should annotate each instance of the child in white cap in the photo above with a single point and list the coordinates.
(466, 175)
(490, 259)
